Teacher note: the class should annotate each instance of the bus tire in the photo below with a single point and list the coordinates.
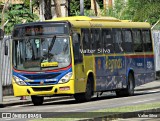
(37, 100)
(130, 86)
(84, 97)
(129, 91)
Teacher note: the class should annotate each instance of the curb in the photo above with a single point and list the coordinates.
(30, 102)
(149, 88)
(127, 115)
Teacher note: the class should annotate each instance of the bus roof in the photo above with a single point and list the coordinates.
(85, 18)
(93, 22)
(103, 22)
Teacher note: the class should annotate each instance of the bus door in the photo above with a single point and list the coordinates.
(78, 63)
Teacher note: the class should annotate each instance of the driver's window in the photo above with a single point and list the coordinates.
(76, 48)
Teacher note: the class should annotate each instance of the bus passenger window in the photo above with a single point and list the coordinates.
(85, 39)
(128, 40)
(107, 39)
(118, 43)
(147, 40)
(138, 45)
(96, 39)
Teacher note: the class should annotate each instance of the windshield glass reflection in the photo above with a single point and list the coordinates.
(35, 54)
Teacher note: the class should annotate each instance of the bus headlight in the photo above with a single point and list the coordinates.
(19, 81)
(65, 78)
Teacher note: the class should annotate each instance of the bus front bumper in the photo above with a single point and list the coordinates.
(66, 88)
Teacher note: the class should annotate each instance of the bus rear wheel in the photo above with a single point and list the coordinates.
(37, 100)
(129, 91)
(130, 87)
(84, 97)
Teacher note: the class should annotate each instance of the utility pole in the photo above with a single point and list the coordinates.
(82, 7)
(69, 9)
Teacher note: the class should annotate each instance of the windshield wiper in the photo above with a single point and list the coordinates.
(48, 56)
(52, 43)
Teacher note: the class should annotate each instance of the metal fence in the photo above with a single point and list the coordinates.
(156, 38)
(5, 65)
(5, 62)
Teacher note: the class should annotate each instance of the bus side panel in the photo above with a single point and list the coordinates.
(81, 71)
(120, 66)
(80, 80)
(110, 72)
(149, 67)
(137, 64)
(100, 70)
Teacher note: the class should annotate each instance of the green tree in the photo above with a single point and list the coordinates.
(135, 10)
(143, 10)
(18, 14)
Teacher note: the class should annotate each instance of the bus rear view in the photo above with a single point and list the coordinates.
(41, 59)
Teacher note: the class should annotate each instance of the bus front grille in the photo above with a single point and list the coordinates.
(38, 83)
(42, 88)
(42, 76)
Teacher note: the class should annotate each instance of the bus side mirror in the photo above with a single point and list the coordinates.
(1, 34)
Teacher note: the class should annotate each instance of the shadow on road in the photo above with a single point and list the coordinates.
(105, 96)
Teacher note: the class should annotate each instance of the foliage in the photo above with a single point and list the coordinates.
(135, 10)
(18, 14)
(143, 10)
(74, 7)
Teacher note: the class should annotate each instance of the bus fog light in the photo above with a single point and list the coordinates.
(19, 81)
(65, 78)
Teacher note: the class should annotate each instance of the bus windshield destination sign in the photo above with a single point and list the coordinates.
(39, 30)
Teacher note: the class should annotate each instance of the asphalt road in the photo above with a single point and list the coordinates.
(108, 100)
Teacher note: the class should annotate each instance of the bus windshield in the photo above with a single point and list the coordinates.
(36, 54)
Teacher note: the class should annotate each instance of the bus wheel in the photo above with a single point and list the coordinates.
(83, 97)
(37, 100)
(129, 91)
(130, 86)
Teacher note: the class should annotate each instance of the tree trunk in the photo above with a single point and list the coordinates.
(95, 7)
(57, 7)
(48, 13)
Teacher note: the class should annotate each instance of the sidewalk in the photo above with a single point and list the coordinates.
(11, 100)
(149, 86)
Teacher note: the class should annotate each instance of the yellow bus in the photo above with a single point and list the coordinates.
(80, 56)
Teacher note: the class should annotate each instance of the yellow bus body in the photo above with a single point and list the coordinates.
(78, 81)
